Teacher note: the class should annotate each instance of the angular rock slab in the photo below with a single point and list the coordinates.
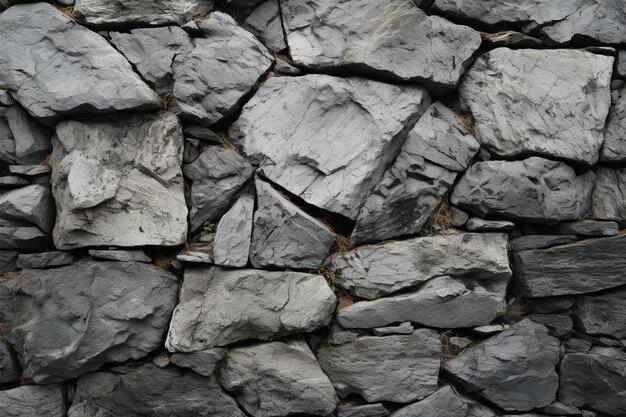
(588, 266)
(394, 39)
(399, 368)
(55, 67)
(29, 238)
(446, 402)
(66, 321)
(10, 370)
(266, 24)
(32, 205)
(150, 391)
(284, 235)
(373, 271)
(219, 306)
(22, 139)
(367, 410)
(203, 362)
(602, 314)
(614, 146)
(33, 400)
(118, 181)
(327, 140)
(44, 260)
(277, 379)
(514, 370)
(231, 246)
(534, 190)
(542, 102)
(609, 194)
(410, 191)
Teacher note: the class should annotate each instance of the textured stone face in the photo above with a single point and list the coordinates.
(33, 400)
(614, 146)
(118, 181)
(266, 24)
(22, 139)
(32, 205)
(446, 402)
(231, 246)
(609, 194)
(10, 370)
(327, 140)
(219, 306)
(602, 314)
(66, 321)
(394, 39)
(550, 103)
(203, 362)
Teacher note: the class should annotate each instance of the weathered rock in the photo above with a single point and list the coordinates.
(30, 170)
(12, 181)
(543, 102)
(277, 379)
(44, 259)
(266, 24)
(410, 191)
(596, 379)
(588, 228)
(513, 370)
(220, 306)
(195, 257)
(602, 314)
(476, 224)
(336, 139)
(231, 246)
(458, 217)
(394, 39)
(339, 336)
(511, 39)
(374, 271)
(442, 302)
(203, 362)
(9, 367)
(150, 391)
(402, 328)
(490, 329)
(286, 236)
(32, 204)
(217, 176)
(66, 321)
(33, 400)
(609, 195)
(55, 67)
(614, 146)
(548, 305)
(30, 238)
(137, 255)
(587, 266)
(540, 241)
(8, 258)
(560, 409)
(445, 402)
(560, 325)
(284, 67)
(117, 181)
(22, 139)
(367, 410)
(399, 368)
(104, 14)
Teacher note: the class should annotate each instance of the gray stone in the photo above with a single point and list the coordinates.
(398, 368)
(284, 235)
(162, 360)
(511, 39)
(543, 102)
(560, 409)
(150, 391)
(367, 410)
(587, 266)
(373, 271)
(277, 379)
(588, 228)
(22, 139)
(33, 400)
(559, 324)
(609, 195)
(402, 328)
(137, 255)
(460, 342)
(548, 305)
(265, 23)
(458, 217)
(490, 329)
(231, 246)
(203, 362)
(446, 402)
(540, 241)
(117, 181)
(9, 366)
(533, 190)
(614, 146)
(30, 170)
(476, 224)
(8, 258)
(30, 238)
(339, 336)
(620, 64)
(394, 39)
(44, 259)
(203, 133)
(596, 380)
(69, 68)
(216, 177)
(32, 204)
(410, 191)
(195, 257)
(513, 370)
(12, 181)
(243, 3)
(284, 67)
(102, 14)
(335, 141)
(66, 321)
(220, 306)
(602, 314)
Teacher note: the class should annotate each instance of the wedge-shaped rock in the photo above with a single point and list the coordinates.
(231, 246)
(542, 102)
(410, 191)
(327, 139)
(588, 266)
(367, 410)
(286, 236)
(394, 39)
(10, 370)
(32, 205)
(373, 271)
(513, 370)
(203, 362)
(266, 24)
(595, 379)
(22, 139)
(150, 391)
(614, 146)
(609, 194)
(44, 260)
(533, 190)
(602, 314)
(66, 321)
(399, 368)
(129, 13)
(33, 400)
(442, 302)
(55, 67)
(446, 402)
(277, 379)
(118, 181)
(219, 306)
(30, 238)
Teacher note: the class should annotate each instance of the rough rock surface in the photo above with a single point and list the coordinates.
(398, 368)
(445, 402)
(44, 259)
(609, 194)
(533, 190)
(266, 24)
(277, 379)
(514, 370)
(203, 362)
(602, 314)
(117, 181)
(31, 205)
(69, 69)
(284, 235)
(22, 139)
(374, 271)
(33, 400)
(394, 39)
(476, 224)
(327, 140)
(30, 238)
(231, 246)
(368, 410)
(219, 306)
(9, 367)
(589, 228)
(120, 255)
(614, 146)
(66, 321)
(543, 102)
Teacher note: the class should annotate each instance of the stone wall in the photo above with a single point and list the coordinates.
(350, 208)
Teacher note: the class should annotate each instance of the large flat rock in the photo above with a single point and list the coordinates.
(33, 400)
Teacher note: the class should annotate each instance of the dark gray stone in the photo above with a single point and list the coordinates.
(22, 139)
(137, 255)
(8, 258)
(30, 170)
(609, 195)
(265, 23)
(33, 401)
(203, 133)
(31, 205)
(44, 259)
(284, 67)
(446, 402)
(458, 217)
(30, 238)
(540, 241)
(551, 304)
(476, 224)
(402, 328)
(203, 362)
(231, 246)
(588, 228)
(339, 336)
(614, 146)
(10, 369)
(559, 324)
(602, 314)
(367, 410)
(560, 409)
(12, 181)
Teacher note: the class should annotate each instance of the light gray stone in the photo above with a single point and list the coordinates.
(560, 409)
(12, 181)
(446, 402)
(458, 217)
(367, 410)
(31, 205)
(265, 23)
(602, 314)
(10, 369)
(540, 241)
(609, 194)
(614, 146)
(333, 138)
(588, 228)
(398, 368)
(284, 67)
(402, 328)
(373, 271)
(33, 400)
(339, 336)
(203, 362)
(277, 379)
(490, 329)
(476, 224)
(195, 257)
(542, 102)
(22, 139)
(137, 255)
(511, 39)
(30, 238)
(231, 246)
(220, 306)
(44, 259)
